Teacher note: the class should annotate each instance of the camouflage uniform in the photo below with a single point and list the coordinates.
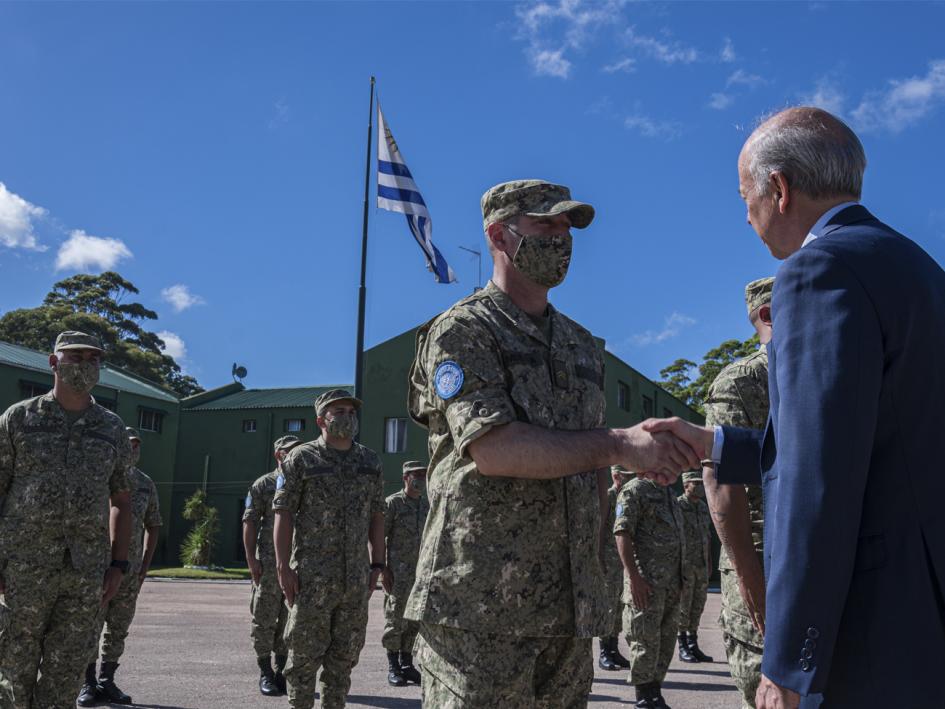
(649, 515)
(509, 590)
(267, 604)
(404, 518)
(696, 563)
(333, 495)
(739, 397)
(613, 569)
(117, 618)
(55, 483)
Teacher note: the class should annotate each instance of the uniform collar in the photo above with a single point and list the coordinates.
(560, 332)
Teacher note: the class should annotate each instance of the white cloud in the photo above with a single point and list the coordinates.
(665, 52)
(17, 218)
(827, 96)
(280, 114)
(720, 101)
(743, 78)
(84, 252)
(672, 326)
(548, 62)
(651, 128)
(173, 345)
(904, 103)
(180, 297)
(626, 65)
(727, 54)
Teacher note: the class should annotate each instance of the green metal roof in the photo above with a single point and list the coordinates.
(290, 397)
(111, 377)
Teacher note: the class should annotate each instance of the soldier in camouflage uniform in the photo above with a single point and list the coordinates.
(63, 463)
(610, 657)
(651, 541)
(117, 617)
(739, 397)
(267, 603)
(696, 567)
(509, 590)
(330, 492)
(404, 516)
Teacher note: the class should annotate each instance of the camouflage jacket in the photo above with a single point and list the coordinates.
(499, 554)
(648, 513)
(56, 480)
(698, 527)
(333, 495)
(145, 513)
(739, 397)
(258, 510)
(404, 517)
(614, 567)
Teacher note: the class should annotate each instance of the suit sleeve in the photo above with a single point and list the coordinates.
(829, 370)
(741, 456)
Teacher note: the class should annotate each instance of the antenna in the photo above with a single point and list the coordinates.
(477, 254)
(239, 373)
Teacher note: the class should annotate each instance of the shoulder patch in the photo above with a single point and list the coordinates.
(249, 500)
(448, 379)
(619, 510)
(280, 481)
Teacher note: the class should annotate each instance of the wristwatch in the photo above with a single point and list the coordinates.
(123, 565)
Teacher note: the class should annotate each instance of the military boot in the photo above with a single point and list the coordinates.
(693, 645)
(280, 668)
(410, 673)
(395, 675)
(267, 678)
(619, 659)
(107, 689)
(648, 696)
(684, 653)
(660, 702)
(606, 660)
(88, 695)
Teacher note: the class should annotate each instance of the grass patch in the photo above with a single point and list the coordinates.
(179, 572)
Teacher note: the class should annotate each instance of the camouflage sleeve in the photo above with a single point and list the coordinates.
(466, 380)
(289, 484)
(627, 511)
(377, 497)
(152, 515)
(249, 512)
(7, 453)
(388, 517)
(726, 404)
(119, 482)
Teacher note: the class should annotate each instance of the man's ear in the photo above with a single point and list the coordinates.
(764, 314)
(499, 239)
(53, 361)
(781, 190)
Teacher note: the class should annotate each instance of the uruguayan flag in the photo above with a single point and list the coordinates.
(397, 192)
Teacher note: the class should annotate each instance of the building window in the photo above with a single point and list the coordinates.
(623, 396)
(294, 425)
(249, 425)
(395, 435)
(30, 389)
(647, 407)
(150, 420)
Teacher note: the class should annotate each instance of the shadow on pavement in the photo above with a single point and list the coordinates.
(386, 702)
(714, 673)
(700, 686)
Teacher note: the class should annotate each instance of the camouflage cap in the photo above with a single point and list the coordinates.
(758, 293)
(693, 476)
(333, 395)
(75, 340)
(413, 466)
(133, 434)
(533, 198)
(620, 469)
(285, 443)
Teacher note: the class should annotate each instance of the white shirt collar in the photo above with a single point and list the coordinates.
(817, 230)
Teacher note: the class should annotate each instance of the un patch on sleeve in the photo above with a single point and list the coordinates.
(249, 501)
(448, 379)
(619, 510)
(280, 481)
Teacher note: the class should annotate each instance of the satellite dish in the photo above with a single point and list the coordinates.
(239, 372)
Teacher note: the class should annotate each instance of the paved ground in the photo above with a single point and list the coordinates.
(189, 648)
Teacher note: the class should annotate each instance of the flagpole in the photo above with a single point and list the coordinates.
(362, 290)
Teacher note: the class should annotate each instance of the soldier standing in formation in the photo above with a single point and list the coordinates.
(652, 545)
(63, 477)
(610, 657)
(267, 603)
(404, 516)
(117, 617)
(330, 493)
(696, 567)
(739, 397)
(509, 590)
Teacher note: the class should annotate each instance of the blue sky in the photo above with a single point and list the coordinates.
(214, 153)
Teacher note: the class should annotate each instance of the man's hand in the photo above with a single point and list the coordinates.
(699, 439)
(289, 583)
(255, 569)
(640, 591)
(658, 453)
(771, 696)
(751, 586)
(110, 584)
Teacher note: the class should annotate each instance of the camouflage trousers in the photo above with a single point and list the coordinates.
(614, 586)
(692, 598)
(468, 670)
(48, 618)
(399, 633)
(743, 644)
(651, 635)
(325, 628)
(116, 619)
(267, 604)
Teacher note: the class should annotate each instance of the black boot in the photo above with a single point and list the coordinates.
(648, 696)
(694, 649)
(280, 678)
(395, 675)
(606, 659)
(107, 689)
(660, 702)
(88, 695)
(684, 653)
(411, 674)
(619, 659)
(267, 678)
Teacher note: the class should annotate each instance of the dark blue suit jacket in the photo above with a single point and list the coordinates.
(853, 469)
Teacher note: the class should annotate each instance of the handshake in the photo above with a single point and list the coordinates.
(661, 449)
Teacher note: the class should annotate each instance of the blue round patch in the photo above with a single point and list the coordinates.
(249, 501)
(448, 379)
(619, 510)
(280, 481)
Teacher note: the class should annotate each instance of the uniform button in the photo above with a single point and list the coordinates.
(813, 633)
(810, 644)
(561, 376)
(483, 411)
(805, 666)
(807, 653)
